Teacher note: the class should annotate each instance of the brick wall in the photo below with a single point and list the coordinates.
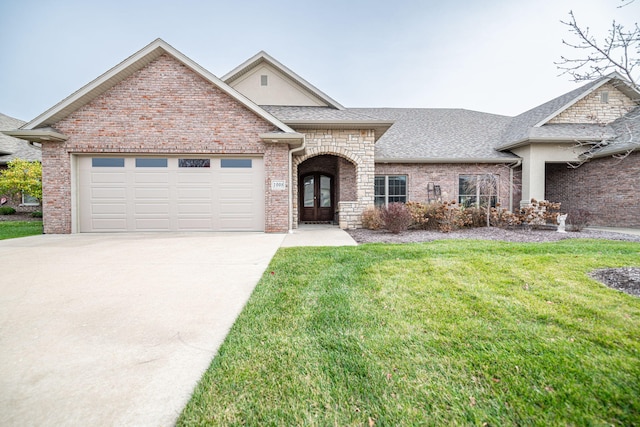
(608, 188)
(163, 108)
(446, 175)
(591, 109)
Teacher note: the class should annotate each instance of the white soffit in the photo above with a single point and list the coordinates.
(125, 69)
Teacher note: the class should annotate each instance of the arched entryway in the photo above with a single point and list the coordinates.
(323, 182)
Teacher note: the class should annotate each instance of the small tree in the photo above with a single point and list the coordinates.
(22, 177)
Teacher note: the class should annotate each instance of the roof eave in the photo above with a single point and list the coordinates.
(447, 160)
(547, 140)
(378, 126)
(37, 135)
(294, 139)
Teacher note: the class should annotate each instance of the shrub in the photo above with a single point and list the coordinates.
(396, 217)
(419, 215)
(539, 213)
(372, 219)
(503, 218)
(475, 216)
(450, 216)
(578, 219)
(36, 214)
(7, 210)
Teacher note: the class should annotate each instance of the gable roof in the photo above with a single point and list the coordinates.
(125, 69)
(14, 148)
(528, 126)
(264, 57)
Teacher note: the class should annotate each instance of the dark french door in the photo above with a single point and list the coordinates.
(317, 198)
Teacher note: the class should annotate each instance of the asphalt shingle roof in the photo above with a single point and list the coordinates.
(439, 134)
(287, 113)
(17, 148)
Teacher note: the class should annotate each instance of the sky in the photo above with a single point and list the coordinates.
(495, 56)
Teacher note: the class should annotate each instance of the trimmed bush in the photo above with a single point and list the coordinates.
(372, 219)
(36, 214)
(396, 217)
(7, 210)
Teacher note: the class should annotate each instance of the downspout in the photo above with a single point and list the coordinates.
(511, 168)
(293, 150)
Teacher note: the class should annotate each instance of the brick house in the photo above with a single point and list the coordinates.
(159, 143)
(11, 149)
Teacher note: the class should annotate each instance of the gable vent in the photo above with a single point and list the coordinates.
(604, 97)
(264, 80)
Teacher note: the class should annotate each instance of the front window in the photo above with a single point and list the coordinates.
(390, 189)
(478, 190)
(28, 200)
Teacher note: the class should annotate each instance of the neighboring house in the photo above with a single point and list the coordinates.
(160, 143)
(13, 148)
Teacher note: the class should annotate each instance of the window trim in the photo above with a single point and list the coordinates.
(386, 195)
(493, 199)
(23, 203)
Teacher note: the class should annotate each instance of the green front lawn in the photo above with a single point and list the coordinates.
(12, 229)
(443, 333)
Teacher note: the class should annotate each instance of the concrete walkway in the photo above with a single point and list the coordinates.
(632, 231)
(117, 329)
(318, 235)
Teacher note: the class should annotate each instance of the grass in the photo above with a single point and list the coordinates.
(13, 229)
(444, 333)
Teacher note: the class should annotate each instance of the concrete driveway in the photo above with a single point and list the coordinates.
(117, 329)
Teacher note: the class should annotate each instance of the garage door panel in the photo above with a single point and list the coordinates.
(195, 208)
(195, 224)
(152, 208)
(152, 224)
(151, 178)
(194, 178)
(109, 208)
(109, 224)
(203, 193)
(153, 193)
(170, 198)
(112, 193)
(106, 177)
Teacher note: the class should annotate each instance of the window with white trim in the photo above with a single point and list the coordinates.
(478, 190)
(28, 200)
(390, 189)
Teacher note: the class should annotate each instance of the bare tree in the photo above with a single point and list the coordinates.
(618, 51)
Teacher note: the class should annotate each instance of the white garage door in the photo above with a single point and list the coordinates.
(170, 194)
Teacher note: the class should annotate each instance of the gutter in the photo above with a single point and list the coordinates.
(444, 160)
(291, 151)
(512, 166)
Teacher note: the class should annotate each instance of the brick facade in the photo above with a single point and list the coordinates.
(163, 108)
(446, 175)
(608, 188)
(592, 109)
